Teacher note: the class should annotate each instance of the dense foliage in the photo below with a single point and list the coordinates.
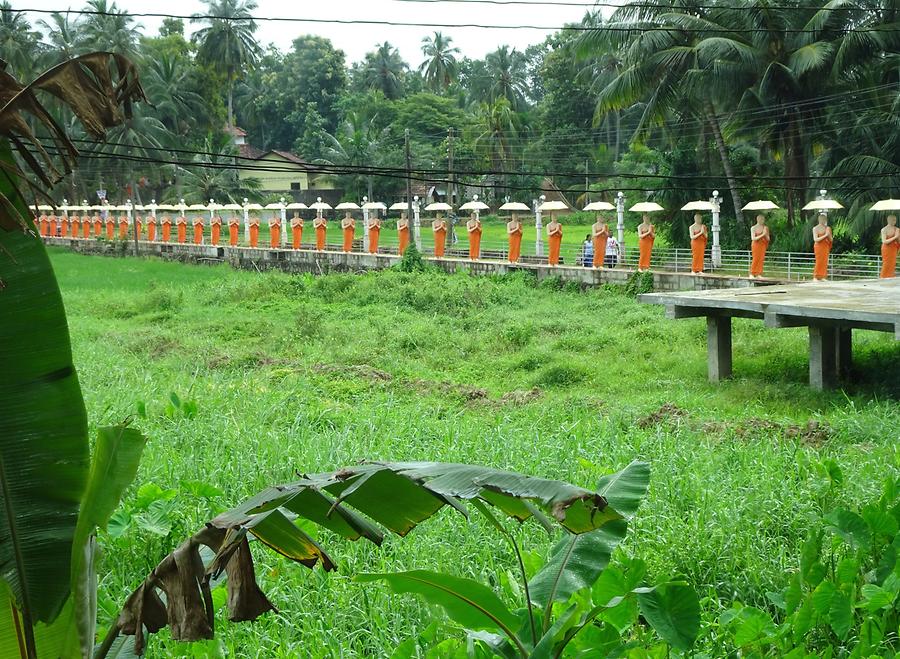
(670, 100)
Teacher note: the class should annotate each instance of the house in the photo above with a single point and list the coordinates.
(282, 172)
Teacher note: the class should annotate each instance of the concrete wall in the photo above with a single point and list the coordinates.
(319, 263)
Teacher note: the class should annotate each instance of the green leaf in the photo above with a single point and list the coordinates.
(880, 523)
(575, 562)
(157, 519)
(625, 489)
(840, 614)
(755, 626)
(809, 556)
(149, 493)
(793, 595)
(118, 523)
(43, 425)
(673, 610)
(850, 527)
(549, 641)
(821, 597)
(875, 598)
(804, 619)
(847, 571)
(467, 602)
(280, 534)
(201, 489)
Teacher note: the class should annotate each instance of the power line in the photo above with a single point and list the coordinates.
(385, 23)
(611, 5)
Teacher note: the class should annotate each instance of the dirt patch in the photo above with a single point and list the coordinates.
(813, 432)
(354, 371)
(464, 391)
(668, 413)
(520, 397)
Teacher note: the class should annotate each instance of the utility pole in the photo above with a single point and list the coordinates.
(587, 185)
(409, 199)
(451, 184)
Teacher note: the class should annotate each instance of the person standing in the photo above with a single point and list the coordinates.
(699, 238)
(514, 232)
(439, 227)
(599, 236)
(348, 226)
(374, 234)
(822, 241)
(587, 252)
(296, 230)
(554, 240)
(611, 258)
(402, 233)
(890, 245)
(473, 227)
(646, 236)
(759, 243)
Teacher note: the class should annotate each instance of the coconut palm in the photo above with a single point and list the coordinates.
(440, 67)
(498, 125)
(64, 37)
(109, 29)
(355, 144)
(212, 175)
(19, 44)
(506, 69)
(384, 70)
(226, 42)
(167, 83)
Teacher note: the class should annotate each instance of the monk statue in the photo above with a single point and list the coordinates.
(439, 227)
(275, 231)
(296, 230)
(514, 233)
(254, 231)
(822, 241)
(320, 224)
(599, 236)
(554, 240)
(181, 226)
(215, 229)
(890, 245)
(198, 230)
(699, 237)
(646, 235)
(374, 234)
(402, 233)
(348, 226)
(123, 227)
(473, 227)
(759, 243)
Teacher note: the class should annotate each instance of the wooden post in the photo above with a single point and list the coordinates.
(718, 347)
(822, 352)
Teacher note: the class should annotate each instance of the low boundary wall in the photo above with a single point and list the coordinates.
(334, 260)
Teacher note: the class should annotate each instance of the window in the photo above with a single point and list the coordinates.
(295, 185)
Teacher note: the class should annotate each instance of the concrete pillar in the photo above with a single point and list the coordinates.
(538, 227)
(822, 357)
(283, 213)
(716, 231)
(718, 347)
(365, 212)
(417, 223)
(620, 226)
(246, 221)
(843, 356)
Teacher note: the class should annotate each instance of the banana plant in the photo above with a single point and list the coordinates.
(52, 494)
(576, 603)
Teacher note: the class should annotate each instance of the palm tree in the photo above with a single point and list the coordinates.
(506, 69)
(212, 175)
(355, 144)
(384, 70)
(168, 87)
(64, 37)
(440, 67)
(498, 126)
(19, 44)
(227, 43)
(109, 29)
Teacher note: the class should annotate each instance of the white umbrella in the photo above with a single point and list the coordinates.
(254, 207)
(760, 205)
(296, 206)
(320, 205)
(274, 207)
(646, 207)
(166, 207)
(346, 206)
(698, 206)
(118, 208)
(232, 207)
(137, 208)
(822, 205)
(599, 206)
(439, 206)
(553, 206)
(197, 207)
(474, 206)
(45, 207)
(513, 206)
(374, 206)
(883, 205)
(399, 206)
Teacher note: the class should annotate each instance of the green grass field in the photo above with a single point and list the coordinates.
(297, 374)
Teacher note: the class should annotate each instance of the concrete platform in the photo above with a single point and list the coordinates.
(831, 311)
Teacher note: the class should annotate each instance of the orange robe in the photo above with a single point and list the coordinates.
(515, 246)
(554, 242)
(320, 237)
(440, 241)
(64, 226)
(821, 249)
(254, 234)
(198, 233)
(348, 238)
(215, 231)
(182, 231)
(296, 235)
(599, 249)
(645, 248)
(758, 256)
(166, 230)
(275, 234)
(374, 235)
(123, 228)
(76, 226)
(98, 225)
(151, 229)
(110, 227)
(698, 253)
(475, 243)
(52, 225)
(889, 260)
(233, 233)
(140, 226)
(86, 226)
(44, 225)
(403, 236)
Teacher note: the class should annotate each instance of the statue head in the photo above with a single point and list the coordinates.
(760, 219)
(892, 220)
(822, 219)
(698, 218)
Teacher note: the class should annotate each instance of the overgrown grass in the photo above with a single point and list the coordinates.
(294, 373)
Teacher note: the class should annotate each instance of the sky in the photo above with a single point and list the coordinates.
(356, 40)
